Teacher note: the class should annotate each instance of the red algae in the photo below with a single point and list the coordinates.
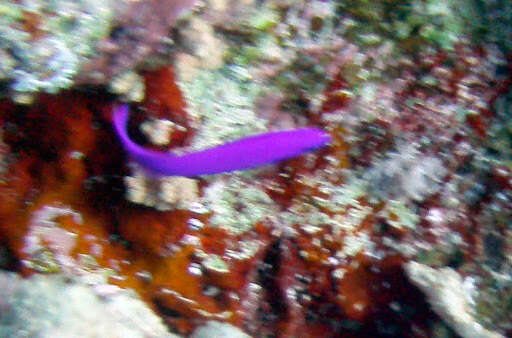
(165, 101)
(52, 160)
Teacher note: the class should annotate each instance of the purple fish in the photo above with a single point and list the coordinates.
(241, 154)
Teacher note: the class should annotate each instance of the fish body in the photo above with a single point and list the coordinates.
(248, 152)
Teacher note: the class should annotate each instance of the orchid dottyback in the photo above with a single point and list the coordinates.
(248, 152)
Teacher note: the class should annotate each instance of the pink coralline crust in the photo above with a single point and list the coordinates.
(140, 31)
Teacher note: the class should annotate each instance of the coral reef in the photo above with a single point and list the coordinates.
(140, 32)
(49, 46)
(216, 329)
(450, 296)
(409, 207)
(45, 43)
(489, 21)
(46, 306)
